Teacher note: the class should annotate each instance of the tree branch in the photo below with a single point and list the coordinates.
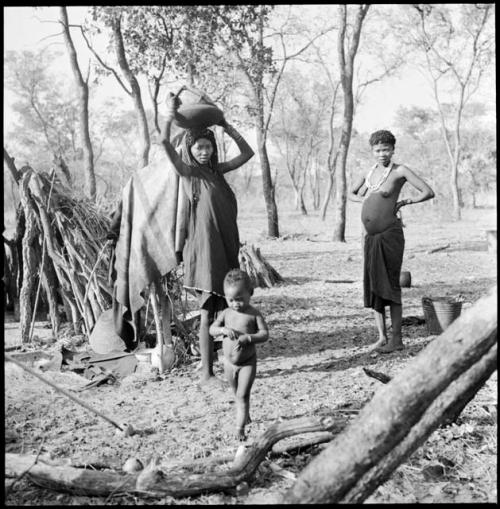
(9, 161)
(103, 64)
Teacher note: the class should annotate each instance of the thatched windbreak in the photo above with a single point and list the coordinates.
(64, 257)
(64, 251)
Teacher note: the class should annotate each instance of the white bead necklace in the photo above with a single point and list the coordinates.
(374, 187)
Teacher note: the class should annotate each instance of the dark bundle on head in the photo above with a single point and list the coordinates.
(190, 138)
(382, 136)
(236, 276)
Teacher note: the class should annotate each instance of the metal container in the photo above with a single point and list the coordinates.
(440, 312)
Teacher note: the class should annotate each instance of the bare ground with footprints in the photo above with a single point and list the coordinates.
(320, 337)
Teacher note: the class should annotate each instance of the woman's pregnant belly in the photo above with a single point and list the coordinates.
(377, 212)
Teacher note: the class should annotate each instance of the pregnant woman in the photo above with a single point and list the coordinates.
(384, 240)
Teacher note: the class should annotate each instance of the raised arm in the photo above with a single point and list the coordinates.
(246, 152)
(425, 191)
(358, 190)
(182, 168)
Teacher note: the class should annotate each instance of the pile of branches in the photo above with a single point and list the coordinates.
(64, 258)
(64, 244)
(261, 273)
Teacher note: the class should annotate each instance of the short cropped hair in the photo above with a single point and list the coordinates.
(235, 276)
(382, 137)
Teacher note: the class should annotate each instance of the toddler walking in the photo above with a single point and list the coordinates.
(242, 326)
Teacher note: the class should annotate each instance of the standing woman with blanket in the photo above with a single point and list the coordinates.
(212, 243)
(384, 240)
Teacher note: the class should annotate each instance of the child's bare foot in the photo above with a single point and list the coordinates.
(211, 382)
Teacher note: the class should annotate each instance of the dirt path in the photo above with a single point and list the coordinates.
(320, 341)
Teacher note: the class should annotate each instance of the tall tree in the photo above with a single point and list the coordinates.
(297, 132)
(347, 47)
(247, 35)
(45, 128)
(333, 148)
(377, 60)
(83, 97)
(458, 46)
(114, 17)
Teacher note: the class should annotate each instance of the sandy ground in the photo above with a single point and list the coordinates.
(320, 341)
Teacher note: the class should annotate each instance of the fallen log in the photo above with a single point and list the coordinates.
(155, 481)
(444, 408)
(395, 421)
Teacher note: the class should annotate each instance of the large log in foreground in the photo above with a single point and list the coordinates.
(403, 413)
(155, 481)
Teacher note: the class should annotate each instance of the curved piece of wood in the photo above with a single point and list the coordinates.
(154, 481)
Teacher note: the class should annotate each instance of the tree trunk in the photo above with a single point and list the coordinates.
(302, 205)
(30, 236)
(443, 410)
(267, 184)
(346, 69)
(328, 194)
(455, 192)
(83, 96)
(142, 121)
(405, 411)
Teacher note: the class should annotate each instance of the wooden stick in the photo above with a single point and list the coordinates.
(64, 391)
(99, 257)
(381, 377)
(436, 249)
(339, 281)
(35, 307)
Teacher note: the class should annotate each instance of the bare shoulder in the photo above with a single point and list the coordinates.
(402, 170)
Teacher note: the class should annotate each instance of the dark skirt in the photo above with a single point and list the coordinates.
(383, 257)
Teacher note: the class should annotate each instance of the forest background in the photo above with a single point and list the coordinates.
(306, 84)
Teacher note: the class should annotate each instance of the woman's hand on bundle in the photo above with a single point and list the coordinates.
(173, 103)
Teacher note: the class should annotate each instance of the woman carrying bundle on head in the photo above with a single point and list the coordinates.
(212, 242)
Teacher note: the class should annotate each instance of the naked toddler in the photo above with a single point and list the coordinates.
(242, 326)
